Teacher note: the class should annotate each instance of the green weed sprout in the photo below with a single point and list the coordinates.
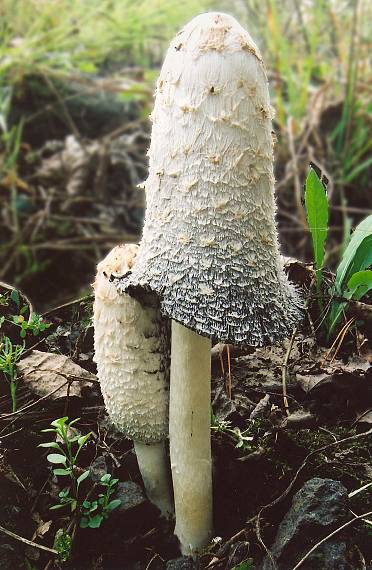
(67, 455)
(96, 511)
(89, 512)
(240, 438)
(34, 324)
(9, 356)
(353, 277)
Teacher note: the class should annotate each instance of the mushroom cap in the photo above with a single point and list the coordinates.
(131, 342)
(209, 247)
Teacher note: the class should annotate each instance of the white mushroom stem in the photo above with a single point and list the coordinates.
(189, 435)
(153, 464)
(131, 351)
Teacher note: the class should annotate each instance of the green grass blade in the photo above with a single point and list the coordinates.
(316, 204)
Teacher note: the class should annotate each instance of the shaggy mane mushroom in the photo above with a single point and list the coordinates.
(209, 248)
(132, 354)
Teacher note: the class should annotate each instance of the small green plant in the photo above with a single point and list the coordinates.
(240, 438)
(68, 449)
(63, 544)
(88, 512)
(34, 324)
(96, 511)
(9, 356)
(353, 278)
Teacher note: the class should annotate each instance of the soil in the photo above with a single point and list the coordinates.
(326, 403)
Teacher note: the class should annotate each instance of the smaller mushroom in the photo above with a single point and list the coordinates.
(131, 342)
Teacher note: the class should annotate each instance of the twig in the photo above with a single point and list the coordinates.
(54, 309)
(26, 541)
(344, 328)
(285, 370)
(11, 433)
(338, 341)
(70, 378)
(330, 536)
(347, 327)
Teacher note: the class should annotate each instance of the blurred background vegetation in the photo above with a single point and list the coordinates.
(76, 84)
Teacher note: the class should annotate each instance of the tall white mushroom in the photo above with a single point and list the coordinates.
(209, 247)
(131, 342)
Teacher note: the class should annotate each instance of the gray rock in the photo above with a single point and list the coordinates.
(182, 563)
(131, 496)
(97, 469)
(317, 509)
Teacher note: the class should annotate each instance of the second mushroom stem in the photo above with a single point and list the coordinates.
(153, 464)
(189, 436)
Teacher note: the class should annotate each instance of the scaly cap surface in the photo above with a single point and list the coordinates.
(131, 344)
(209, 247)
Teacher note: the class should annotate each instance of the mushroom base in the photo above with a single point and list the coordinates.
(154, 467)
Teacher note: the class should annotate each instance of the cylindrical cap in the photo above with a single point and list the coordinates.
(209, 247)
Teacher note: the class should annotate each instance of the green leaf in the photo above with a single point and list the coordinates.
(95, 522)
(82, 477)
(87, 67)
(113, 505)
(359, 284)
(55, 507)
(52, 444)
(83, 439)
(15, 297)
(84, 521)
(358, 169)
(60, 422)
(56, 458)
(316, 203)
(106, 478)
(357, 256)
(62, 472)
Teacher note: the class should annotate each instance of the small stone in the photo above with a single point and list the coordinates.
(97, 469)
(317, 509)
(182, 563)
(131, 496)
(300, 419)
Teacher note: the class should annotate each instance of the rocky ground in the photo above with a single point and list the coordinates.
(291, 437)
